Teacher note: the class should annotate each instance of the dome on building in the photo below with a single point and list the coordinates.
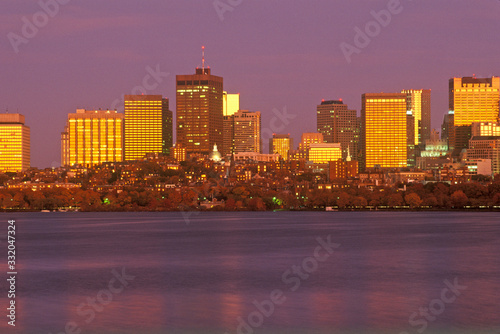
(215, 154)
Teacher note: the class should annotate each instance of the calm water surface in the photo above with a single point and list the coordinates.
(205, 273)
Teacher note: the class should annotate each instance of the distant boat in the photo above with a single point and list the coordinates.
(330, 208)
(45, 210)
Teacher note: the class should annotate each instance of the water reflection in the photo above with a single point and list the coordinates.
(203, 277)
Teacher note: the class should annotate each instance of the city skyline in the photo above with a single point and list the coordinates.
(333, 119)
(89, 55)
(250, 166)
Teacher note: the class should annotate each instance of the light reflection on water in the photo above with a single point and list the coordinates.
(201, 277)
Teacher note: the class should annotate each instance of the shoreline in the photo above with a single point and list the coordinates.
(490, 209)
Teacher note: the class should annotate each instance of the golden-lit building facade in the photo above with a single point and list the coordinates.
(14, 143)
(281, 144)
(384, 130)
(307, 139)
(338, 124)
(325, 152)
(92, 137)
(148, 126)
(486, 129)
(247, 131)
(472, 100)
(418, 104)
(231, 103)
(200, 111)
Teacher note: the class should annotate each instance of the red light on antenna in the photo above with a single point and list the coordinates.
(340, 100)
(322, 100)
(203, 47)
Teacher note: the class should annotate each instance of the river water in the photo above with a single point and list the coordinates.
(245, 272)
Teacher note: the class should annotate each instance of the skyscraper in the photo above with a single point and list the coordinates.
(200, 111)
(338, 124)
(14, 143)
(247, 131)
(228, 135)
(472, 100)
(410, 139)
(231, 105)
(92, 137)
(281, 144)
(418, 104)
(148, 126)
(384, 134)
(447, 132)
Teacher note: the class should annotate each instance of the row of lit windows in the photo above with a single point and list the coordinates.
(143, 102)
(195, 82)
(400, 100)
(95, 119)
(469, 90)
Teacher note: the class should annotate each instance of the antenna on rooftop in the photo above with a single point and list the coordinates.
(203, 59)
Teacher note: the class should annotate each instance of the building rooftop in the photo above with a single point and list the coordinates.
(11, 119)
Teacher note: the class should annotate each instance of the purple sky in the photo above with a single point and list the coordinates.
(275, 53)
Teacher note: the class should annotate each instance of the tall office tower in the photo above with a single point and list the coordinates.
(418, 103)
(148, 126)
(338, 124)
(247, 131)
(447, 132)
(167, 127)
(92, 137)
(281, 144)
(307, 139)
(230, 106)
(325, 152)
(65, 146)
(231, 103)
(14, 143)
(228, 135)
(384, 133)
(472, 100)
(486, 129)
(410, 139)
(200, 111)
